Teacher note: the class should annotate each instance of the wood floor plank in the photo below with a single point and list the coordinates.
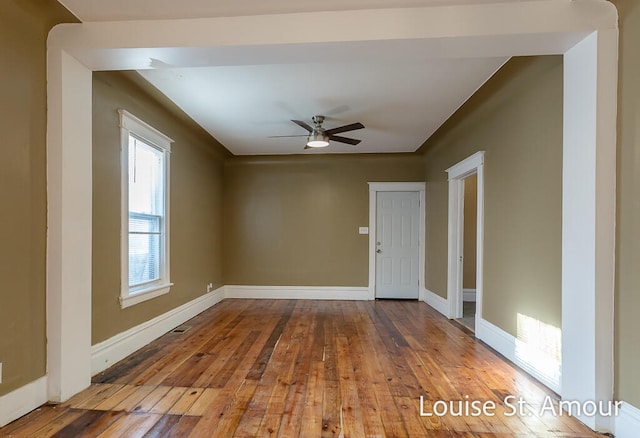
(184, 427)
(200, 407)
(311, 423)
(220, 379)
(226, 348)
(261, 363)
(194, 366)
(52, 428)
(383, 380)
(166, 403)
(87, 423)
(364, 380)
(331, 400)
(226, 423)
(105, 392)
(34, 421)
(117, 398)
(197, 339)
(351, 411)
(131, 403)
(184, 403)
(93, 390)
(147, 403)
(287, 368)
(264, 412)
(162, 427)
(130, 426)
(282, 369)
(296, 397)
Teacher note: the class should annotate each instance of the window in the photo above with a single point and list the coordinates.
(145, 211)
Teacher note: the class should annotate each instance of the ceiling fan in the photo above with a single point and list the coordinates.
(319, 137)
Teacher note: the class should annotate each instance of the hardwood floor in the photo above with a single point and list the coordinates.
(286, 368)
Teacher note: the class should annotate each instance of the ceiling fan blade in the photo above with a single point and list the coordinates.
(284, 136)
(345, 128)
(303, 125)
(351, 141)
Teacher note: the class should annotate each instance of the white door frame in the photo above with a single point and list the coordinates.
(374, 188)
(457, 173)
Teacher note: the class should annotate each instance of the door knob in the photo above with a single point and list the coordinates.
(378, 251)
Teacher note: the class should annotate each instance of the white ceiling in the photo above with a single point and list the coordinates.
(400, 104)
(400, 98)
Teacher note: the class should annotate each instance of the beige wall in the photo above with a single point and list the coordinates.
(293, 220)
(517, 119)
(24, 25)
(627, 321)
(470, 231)
(196, 204)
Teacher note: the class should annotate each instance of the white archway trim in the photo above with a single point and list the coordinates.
(588, 220)
(374, 188)
(585, 30)
(457, 173)
(69, 225)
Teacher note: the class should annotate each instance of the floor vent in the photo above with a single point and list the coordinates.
(180, 329)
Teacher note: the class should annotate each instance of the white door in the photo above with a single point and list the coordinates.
(397, 223)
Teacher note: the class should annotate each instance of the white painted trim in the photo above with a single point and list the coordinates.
(627, 423)
(456, 247)
(144, 295)
(23, 400)
(374, 188)
(436, 301)
(141, 128)
(69, 225)
(116, 348)
(473, 164)
(466, 167)
(588, 220)
(396, 186)
(506, 344)
(297, 292)
(522, 28)
(469, 295)
(131, 125)
(373, 208)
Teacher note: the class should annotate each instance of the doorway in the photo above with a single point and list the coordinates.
(466, 239)
(589, 100)
(397, 245)
(396, 240)
(469, 248)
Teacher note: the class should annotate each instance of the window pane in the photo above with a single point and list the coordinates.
(146, 210)
(146, 194)
(143, 223)
(144, 258)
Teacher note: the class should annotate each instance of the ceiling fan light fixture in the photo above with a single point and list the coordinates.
(318, 140)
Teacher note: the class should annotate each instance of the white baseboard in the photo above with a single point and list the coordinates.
(506, 344)
(298, 292)
(469, 295)
(23, 400)
(437, 302)
(627, 423)
(116, 348)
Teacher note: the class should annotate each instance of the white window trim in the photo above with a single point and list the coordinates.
(130, 124)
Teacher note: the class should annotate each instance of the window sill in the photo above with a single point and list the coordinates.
(144, 295)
